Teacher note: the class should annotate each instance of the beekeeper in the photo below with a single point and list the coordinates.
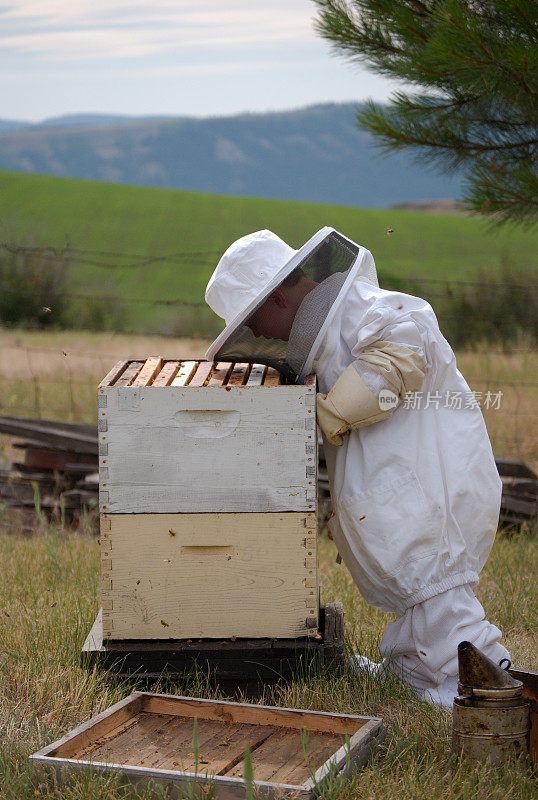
(414, 485)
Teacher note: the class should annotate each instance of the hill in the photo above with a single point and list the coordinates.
(314, 154)
(157, 244)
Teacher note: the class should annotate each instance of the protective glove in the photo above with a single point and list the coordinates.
(351, 404)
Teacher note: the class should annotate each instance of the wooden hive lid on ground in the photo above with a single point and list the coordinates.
(149, 737)
(170, 443)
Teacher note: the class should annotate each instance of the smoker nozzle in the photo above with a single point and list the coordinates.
(477, 671)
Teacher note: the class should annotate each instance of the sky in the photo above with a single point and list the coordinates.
(169, 57)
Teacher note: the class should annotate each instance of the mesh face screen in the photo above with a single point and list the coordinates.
(334, 254)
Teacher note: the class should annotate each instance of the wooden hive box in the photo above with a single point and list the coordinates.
(193, 437)
(149, 737)
(208, 500)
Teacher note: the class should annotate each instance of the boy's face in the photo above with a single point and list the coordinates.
(273, 320)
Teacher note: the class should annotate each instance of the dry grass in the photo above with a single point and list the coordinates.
(48, 600)
(36, 378)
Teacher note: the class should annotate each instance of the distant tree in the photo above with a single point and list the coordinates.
(475, 63)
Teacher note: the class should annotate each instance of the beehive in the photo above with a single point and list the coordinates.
(208, 501)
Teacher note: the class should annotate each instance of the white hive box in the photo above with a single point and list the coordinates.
(208, 500)
(189, 437)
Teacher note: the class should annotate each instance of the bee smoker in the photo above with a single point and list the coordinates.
(491, 717)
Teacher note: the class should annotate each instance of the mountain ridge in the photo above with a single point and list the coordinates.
(315, 154)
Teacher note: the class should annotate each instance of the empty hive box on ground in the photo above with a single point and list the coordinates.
(152, 738)
(208, 501)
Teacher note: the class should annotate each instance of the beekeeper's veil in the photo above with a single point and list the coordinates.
(256, 265)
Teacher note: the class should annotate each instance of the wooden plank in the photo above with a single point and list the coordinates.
(97, 748)
(234, 747)
(202, 373)
(177, 736)
(159, 562)
(278, 748)
(257, 374)
(272, 377)
(185, 373)
(177, 784)
(158, 457)
(184, 758)
(112, 376)
(149, 371)
(297, 768)
(128, 376)
(220, 374)
(167, 373)
(281, 758)
(119, 743)
(147, 746)
(98, 726)
(226, 711)
(238, 375)
(83, 428)
(350, 756)
(59, 436)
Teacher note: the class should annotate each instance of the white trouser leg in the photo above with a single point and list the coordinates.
(422, 645)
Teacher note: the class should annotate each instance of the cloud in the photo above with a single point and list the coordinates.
(93, 29)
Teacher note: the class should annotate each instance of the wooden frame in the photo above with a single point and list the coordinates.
(259, 725)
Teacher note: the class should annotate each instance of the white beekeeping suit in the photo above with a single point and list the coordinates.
(416, 493)
(414, 485)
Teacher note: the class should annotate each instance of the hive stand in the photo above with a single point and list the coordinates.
(264, 660)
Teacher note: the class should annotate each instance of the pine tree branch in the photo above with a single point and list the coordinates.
(480, 60)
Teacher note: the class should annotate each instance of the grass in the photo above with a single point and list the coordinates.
(158, 222)
(49, 598)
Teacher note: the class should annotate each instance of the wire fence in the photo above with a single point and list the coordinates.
(60, 383)
(40, 285)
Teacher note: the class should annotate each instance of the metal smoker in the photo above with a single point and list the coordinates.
(491, 718)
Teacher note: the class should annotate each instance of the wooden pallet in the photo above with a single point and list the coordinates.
(183, 743)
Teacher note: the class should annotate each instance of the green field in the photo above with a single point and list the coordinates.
(139, 221)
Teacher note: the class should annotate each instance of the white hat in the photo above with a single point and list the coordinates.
(245, 270)
(250, 269)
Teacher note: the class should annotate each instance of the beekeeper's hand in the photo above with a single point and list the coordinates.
(351, 404)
